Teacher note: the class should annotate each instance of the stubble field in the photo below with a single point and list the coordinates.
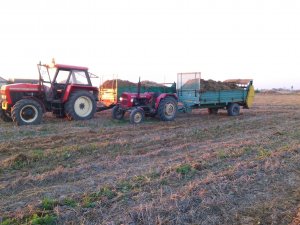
(198, 169)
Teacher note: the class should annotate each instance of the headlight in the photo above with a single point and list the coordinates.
(121, 99)
(131, 100)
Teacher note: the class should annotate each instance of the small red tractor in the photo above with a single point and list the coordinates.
(144, 104)
(68, 94)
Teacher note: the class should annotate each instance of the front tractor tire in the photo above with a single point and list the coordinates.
(27, 112)
(137, 116)
(80, 106)
(167, 109)
(117, 113)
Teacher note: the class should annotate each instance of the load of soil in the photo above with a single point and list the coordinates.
(148, 83)
(113, 83)
(208, 85)
(126, 83)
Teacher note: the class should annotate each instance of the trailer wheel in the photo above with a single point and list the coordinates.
(233, 109)
(80, 106)
(213, 111)
(137, 116)
(167, 109)
(27, 112)
(117, 113)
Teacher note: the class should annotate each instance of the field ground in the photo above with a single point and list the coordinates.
(199, 169)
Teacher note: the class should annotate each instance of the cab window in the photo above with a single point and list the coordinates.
(78, 77)
(62, 76)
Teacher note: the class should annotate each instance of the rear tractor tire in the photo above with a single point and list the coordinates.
(117, 113)
(80, 106)
(233, 109)
(167, 109)
(27, 112)
(137, 116)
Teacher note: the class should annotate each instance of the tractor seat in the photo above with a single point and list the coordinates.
(48, 92)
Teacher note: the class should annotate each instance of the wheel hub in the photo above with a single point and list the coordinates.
(169, 109)
(28, 113)
(137, 117)
(83, 106)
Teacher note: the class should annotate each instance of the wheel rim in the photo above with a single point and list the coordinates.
(28, 113)
(137, 118)
(235, 110)
(169, 109)
(83, 106)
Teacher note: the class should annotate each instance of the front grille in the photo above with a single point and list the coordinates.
(124, 102)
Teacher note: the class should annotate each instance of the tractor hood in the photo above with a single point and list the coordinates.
(8, 90)
(20, 87)
(134, 95)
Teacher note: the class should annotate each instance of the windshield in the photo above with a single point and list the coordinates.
(44, 73)
(62, 76)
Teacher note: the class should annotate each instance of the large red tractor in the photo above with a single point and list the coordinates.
(144, 104)
(68, 94)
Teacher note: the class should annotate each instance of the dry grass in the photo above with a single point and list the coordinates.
(199, 169)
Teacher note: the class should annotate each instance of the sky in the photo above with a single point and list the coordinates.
(155, 40)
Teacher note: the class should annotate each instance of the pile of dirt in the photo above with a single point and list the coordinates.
(208, 85)
(211, 85)
(148, 83)
(126, 83)
(113, 83)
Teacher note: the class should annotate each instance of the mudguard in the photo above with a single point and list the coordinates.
(164, 95)
(250, 96)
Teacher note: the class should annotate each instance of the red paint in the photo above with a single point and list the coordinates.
(162, 96)
(72, 87)
(18, 88)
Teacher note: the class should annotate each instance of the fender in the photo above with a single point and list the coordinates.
(73, 87)
(141, 109)
(37, 100)
(164, 95)
(250, 96)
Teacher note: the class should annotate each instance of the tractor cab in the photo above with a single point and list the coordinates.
(55, 79)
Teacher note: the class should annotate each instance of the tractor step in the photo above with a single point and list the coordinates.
(57, 107)
(57, 101)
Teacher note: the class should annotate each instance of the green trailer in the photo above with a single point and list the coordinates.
(192, 94)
